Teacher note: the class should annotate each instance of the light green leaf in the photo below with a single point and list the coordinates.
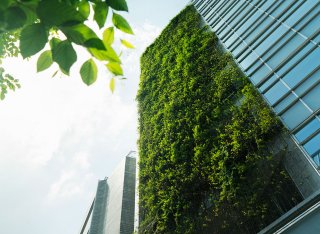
(121, 23)
(112, 85)
(119, 5)
(108, 36)
(84, 9)
(32, 39)
(105, 55)
(44, 61)
(89, 72)
(64, 55)
(100, 13)
(115, 68)
(127, 44)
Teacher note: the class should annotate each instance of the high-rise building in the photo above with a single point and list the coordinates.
(113, 209)
(276, 44)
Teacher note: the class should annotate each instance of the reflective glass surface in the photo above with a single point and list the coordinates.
(276, 44)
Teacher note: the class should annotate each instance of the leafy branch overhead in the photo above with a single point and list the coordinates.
(36, 23)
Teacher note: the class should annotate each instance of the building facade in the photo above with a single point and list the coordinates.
(113, 209)
(276, 44)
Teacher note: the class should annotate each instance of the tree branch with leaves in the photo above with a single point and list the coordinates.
(28, 26)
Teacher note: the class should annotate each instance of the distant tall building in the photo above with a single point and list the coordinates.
(113, 209)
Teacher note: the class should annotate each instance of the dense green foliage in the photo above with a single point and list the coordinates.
(204, 162)
(62, 24)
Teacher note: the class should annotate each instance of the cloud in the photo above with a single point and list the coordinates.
(63, 136)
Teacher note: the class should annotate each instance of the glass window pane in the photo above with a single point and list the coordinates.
(285, 50)
(308, 83)
(260, 74)
(312, 99)
(259, 29)
(300, 12)
(302, 69)
(313, 145)
(248, 60)
(284, 103)
(276, 92)
(316, 159)
(295, 115)
(306, 131)
(267, 83)
(311, 27)
(267, 42)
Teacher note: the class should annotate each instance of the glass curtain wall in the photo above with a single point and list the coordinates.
(276, 43)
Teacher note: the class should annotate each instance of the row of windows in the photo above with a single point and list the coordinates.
(277, 45)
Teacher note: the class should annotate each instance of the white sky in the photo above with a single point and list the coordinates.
(58, 136)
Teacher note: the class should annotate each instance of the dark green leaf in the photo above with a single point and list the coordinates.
(54, 42)
(121, 23)
(79, 33)
(119, 5)
(55, 13)
(64, 55)
(89, 72)
(108, 36)
(115, 68)
(32, 39)
(4, 4)
(15, 18)
(94, 43)
(101, 13)
(44, 61)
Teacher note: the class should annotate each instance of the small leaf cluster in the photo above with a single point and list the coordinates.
(205, 165)
(7, 82)
(41, 22)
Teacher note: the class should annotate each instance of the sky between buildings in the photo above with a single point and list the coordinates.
(58, 137)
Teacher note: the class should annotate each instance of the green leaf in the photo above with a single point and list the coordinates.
(94, 43)
(100, 13)
(89, 72)
(44, 61)
(115, 68)
(121, 23)
(119, 5)
(15, 18)
(55, 13)
(64, 55)
(84, 9)
(4, 4)
(54, 42)
(108, 36)
(79, 33)
(127, 44)
(112, 85)
(32, 39)
(105, 55)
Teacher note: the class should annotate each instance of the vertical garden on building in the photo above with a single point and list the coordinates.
(206, 165)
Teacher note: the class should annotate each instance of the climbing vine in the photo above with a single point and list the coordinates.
(205, 164)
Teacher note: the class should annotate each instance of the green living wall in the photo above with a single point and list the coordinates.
(204, 162)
